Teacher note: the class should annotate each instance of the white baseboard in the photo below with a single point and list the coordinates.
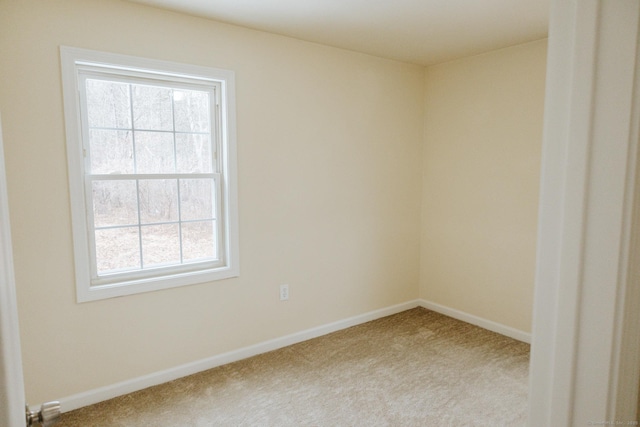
(108, 392)
(478, 321)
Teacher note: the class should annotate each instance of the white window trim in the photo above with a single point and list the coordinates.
(71, 60)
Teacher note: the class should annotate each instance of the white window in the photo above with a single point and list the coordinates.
(151, 155)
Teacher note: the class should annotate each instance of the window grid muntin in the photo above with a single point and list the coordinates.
(215, 200)
(215, 128)
(177, 132)
(108, 277)
(134, 77)
(185, 221)
(214, 134)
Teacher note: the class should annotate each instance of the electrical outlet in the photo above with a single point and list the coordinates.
(284, 292)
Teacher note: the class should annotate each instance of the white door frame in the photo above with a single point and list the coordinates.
(12, 397)
(585, 346)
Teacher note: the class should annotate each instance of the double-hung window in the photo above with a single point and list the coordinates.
(151, 171)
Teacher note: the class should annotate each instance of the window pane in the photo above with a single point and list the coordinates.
(196, 199)
(152, 108)
(191, 109)
(154, 152)
(114, 203)
(160, 244)
(158, 200)
(117, 249)
(193, 153)
(198, 241)
(108, 104)
(111, 151)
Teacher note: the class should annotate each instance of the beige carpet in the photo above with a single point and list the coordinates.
(415, 368)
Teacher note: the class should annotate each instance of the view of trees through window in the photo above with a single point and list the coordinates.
(153, 174)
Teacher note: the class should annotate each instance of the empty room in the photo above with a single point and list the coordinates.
(338, 213)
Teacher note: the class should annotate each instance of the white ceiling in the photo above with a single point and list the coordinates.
(419, 31)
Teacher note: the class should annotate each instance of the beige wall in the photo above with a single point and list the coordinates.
(329, 145)
(332, 146)
(481, 167)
